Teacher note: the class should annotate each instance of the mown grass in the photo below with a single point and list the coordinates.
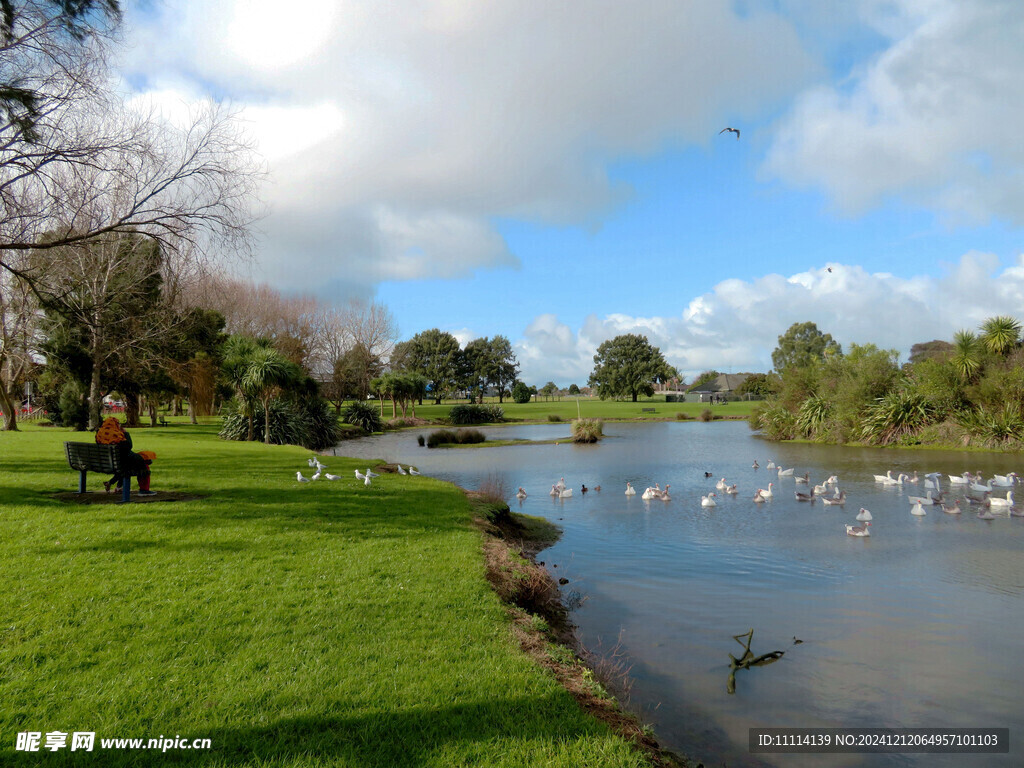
(321, 624)
(594, 408)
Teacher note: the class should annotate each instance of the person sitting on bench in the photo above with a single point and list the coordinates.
(112, 433)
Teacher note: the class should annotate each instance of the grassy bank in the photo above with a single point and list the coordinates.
(594, 408)
(292, 624)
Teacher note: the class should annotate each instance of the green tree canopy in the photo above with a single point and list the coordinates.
(521, 393)
(802, 345)
(1000, 335)
(628, 366)
(702, 379)
(926, 350)
(436, 355)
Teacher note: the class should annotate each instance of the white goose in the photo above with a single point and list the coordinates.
(708, 501)
(931, 484)
(766, 492)
(806, 479)
(864, 515)
(987, 488)
(630, 490)
(565, 493)
(897, 481)
(986, 514)
(819, 490)
(770, 464)
(1004, 481)
(560, 485)
(838, 500)
(858, 530)
(520, 494)
(728, 489)
(917, 510)
(886, 478)
(648, 494)
(554, 490)
(758, 498)
(832, 479)
(785, 472)
(926, 500)
(963, 479)
(995, 501)
(720, 485)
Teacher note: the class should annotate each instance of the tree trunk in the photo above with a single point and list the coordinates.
(192, 412)
(95, 397)
(266, 421)
(131, 409)
(634, 396)
(151, 405)
(8, 407)
(176, 406)
(394, 407)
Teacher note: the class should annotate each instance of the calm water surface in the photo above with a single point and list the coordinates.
(919, 625)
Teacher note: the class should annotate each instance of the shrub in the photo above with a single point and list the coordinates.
(587, 430)
(707, 415)
(287, 425)
(363, 415)
(896, 416)
(554, 417)
(680, 416)
(775, 420)
(521, 393)
(71, 409)
(454, 437)
(475, 414)
(421, 441)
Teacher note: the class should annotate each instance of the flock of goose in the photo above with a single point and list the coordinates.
(366, 477)
(828, 493)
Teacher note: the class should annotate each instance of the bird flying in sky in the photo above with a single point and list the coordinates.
(734, 130)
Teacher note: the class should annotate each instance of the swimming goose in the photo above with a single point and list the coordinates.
(630, 490)
(648, 494)
(858, 530)
(804, 496)
(838, 500)
(554, 491)
(728, 488)
(963, 479)
(998, 502)
(926, 500)
(987, 488)
(758, 498)
(770, 464)
(1004, 480)
(887, 477)
(953, 510)
(520, 494)
(819, 490)
(913, 479)
(565, 493)
(986, 514)
(664, 494)
(785, 472)
(917, 510)
(720, 485)
(766, 492)
(755, 465)
(708, 501)
(560, 485)
(864, 515)
(897, 481)
(806, 479)
(832, 479)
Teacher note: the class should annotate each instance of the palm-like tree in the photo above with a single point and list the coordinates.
(1000, 334)
(267, 372)
(966, 355)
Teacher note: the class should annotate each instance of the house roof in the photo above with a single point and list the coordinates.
(724, 382)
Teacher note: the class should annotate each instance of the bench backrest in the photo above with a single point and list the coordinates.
(94, 458)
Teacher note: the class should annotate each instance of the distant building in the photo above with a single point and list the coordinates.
(722, 386)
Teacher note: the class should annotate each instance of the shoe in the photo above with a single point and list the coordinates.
(145, 493)
(106, 486)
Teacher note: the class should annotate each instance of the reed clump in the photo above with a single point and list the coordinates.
(587, 430)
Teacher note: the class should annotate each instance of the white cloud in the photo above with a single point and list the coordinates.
(398, 132)
(736, 326)
(929, 120)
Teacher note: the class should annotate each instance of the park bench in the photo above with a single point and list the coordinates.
(163, 422)
(647, 410)
(86, 457)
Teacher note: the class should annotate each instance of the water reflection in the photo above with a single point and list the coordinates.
(910, 627)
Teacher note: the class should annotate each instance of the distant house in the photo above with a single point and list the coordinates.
(724, 385)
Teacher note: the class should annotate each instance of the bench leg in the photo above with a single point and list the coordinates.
(81, 481)
(126, 489)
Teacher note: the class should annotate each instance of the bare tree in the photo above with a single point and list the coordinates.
(77, 164)
(18, 327)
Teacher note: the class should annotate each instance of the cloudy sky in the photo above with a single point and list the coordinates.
(554, 172)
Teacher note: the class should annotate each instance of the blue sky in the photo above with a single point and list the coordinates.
(556, 174)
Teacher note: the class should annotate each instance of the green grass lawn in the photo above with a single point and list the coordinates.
(592, 408)
(321, 624)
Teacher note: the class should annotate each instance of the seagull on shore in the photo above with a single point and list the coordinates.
(400, 470)
(329, 476)
(731, 130)
(371, 473)
(300, 478)
(316, 476)
(413, 471)
(366, 480)
(360, 475)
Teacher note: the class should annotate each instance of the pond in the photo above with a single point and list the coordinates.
(918, 625)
